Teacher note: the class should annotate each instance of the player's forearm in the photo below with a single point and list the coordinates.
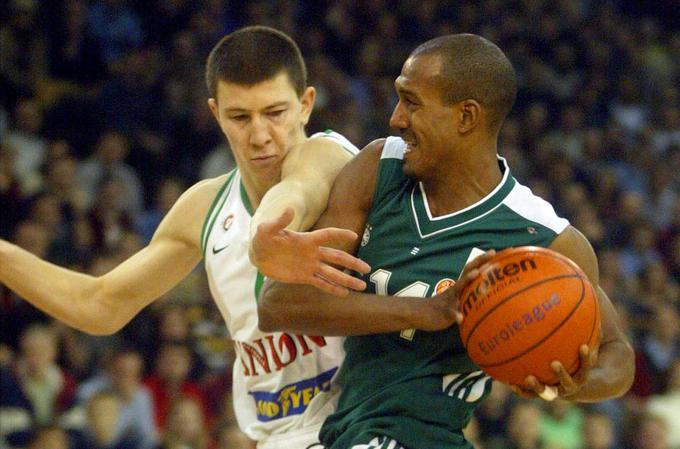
(612, 376)
(279, 198)
(305, 309)
(64, 294)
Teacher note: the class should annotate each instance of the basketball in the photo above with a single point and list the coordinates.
(528, 307)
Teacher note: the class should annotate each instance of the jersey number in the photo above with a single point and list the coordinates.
(418, 289)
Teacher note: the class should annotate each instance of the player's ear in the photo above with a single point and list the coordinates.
(469, 115)
(307, 100)
(212, 104)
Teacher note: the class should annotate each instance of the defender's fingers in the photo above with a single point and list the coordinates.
(336, 235)
(343, 259)
(328, 287)
(341, 278)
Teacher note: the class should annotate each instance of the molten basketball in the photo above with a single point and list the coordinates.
(530, 306)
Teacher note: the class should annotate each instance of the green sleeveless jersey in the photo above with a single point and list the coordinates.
(420, 388)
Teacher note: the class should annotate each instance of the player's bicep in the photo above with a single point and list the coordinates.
(172, 253)
(149, 273)
(351, 196)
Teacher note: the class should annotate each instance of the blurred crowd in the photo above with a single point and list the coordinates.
(104, 122)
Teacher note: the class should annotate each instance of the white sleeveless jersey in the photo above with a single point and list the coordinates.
(281, 381)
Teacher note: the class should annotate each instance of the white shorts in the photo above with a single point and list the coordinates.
(307, 437)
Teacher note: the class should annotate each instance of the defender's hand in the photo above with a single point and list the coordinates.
(302, 258)
(569, 385)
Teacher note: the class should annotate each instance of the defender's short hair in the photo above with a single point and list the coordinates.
(473, 68)
(252, 55)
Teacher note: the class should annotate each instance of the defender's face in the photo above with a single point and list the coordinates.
(425, 123)
(262, 122)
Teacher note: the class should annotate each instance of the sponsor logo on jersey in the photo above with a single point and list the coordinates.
(274, 352)
(443, 285)
(367, 235)
(228, 222)
(292, 399)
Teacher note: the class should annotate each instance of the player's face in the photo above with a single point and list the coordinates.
(425, 123)
(262, 122)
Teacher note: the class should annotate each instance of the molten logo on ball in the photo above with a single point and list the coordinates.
(494, 277)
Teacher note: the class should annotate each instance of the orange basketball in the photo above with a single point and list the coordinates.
(530, 306)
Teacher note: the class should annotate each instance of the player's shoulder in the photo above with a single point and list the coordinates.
(205, 191)
(333, 139)
(187, 215)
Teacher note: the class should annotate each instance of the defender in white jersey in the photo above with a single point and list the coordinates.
(282, 381)
(259, 97)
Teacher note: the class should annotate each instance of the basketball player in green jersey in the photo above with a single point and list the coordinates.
(429, 203)
(257, 80)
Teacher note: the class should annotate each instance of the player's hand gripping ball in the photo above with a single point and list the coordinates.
(528, 307)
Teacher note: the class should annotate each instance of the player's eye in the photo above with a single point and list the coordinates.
(276, 113)
(240, 117)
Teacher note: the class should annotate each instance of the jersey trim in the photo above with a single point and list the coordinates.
(245, 199)
(428, 225)
(339, 139)
(393, 148)
(212, 214)
(524, 203)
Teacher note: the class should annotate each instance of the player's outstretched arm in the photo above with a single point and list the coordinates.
(607, 372)
(307, 309)
(102, 305)
(295, 204)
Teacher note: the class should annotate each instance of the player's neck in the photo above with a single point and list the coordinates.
(462, 183)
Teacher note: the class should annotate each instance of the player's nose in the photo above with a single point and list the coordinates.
(398, 119)
(260, 134)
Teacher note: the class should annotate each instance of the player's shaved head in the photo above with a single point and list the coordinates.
(473, 68)
(252, 55)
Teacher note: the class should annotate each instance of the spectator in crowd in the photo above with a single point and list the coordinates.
(185, 427)
(26, 143)
(168, 192)
(667, 405)
(134, 409)
(108, 164)
(561, 425)
(646, 431)
(231, 437)
(170, 380)
(103, 411)
(22, 60)
(50, 437)
(36, 390)
(658, 350)
(523, 426)
(598, 431)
